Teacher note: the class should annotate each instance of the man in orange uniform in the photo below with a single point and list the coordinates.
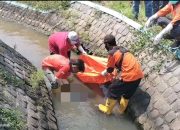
(172, 26)
(62, 43)
(63, 67)
(131, 74)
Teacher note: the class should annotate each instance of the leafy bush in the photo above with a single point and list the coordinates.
(12, 118)
(48, 5)
(7, 77)
(36, 78)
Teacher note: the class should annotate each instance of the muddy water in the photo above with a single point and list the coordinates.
(75, 107)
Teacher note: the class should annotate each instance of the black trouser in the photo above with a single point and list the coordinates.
(175, 32)
(119, 88)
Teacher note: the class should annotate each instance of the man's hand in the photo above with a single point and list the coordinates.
(84, 52)
(167, 29)
(104, 73)
(157, 39)
(150, 20)
(148, 23)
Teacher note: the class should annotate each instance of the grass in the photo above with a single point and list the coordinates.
(12, 118)
(125, 8)
(48, 5)
(36, 78)
(7, 77)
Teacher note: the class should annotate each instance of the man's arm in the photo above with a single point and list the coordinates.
(177, 16)
(110, 66)
(63, 72)
(162, 12)
(80, 48)
(167, 29)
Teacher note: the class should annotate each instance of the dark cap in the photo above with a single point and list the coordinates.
(110, 39)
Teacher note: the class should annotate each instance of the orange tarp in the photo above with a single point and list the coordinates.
(93, 67)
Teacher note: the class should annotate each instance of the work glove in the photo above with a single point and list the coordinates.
(104, 73)
(157, 39)
(167, 29)
(82, 50)
(150, 20)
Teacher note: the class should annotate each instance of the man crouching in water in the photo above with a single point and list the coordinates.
(62, 66)
(131, 74)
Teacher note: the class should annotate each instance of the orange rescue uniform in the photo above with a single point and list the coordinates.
(130, 70)
(175, 11)
(57, 63)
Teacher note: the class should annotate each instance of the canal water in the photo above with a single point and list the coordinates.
(76, 108)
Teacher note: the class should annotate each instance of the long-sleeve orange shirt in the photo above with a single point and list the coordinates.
(130, 70)
(58, 63)
(175, 11)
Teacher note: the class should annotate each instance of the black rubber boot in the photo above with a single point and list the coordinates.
(175, 45)
(54, 85)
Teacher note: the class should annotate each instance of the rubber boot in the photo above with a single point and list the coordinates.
(123, 105)
(175, 45)
(108, 107)
(50, 76)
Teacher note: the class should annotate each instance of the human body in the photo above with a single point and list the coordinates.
(148, 8)
(63, 42)
(62, 66)
(172, 27)
(131, 74)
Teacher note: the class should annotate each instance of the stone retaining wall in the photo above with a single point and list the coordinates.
(156, 105)
(36, 107)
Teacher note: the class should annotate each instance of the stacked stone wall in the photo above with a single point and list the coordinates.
(38, 114)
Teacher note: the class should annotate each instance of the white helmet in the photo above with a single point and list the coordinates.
(73, 37)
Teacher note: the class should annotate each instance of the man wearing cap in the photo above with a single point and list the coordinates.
(172, 27)
(127, 82)
(63, 42)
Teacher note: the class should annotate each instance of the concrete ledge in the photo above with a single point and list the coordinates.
(113, 13)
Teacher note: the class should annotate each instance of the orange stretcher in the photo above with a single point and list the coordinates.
(91, 76)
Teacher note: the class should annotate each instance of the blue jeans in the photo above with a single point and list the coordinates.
(157, 5)
(148, 7)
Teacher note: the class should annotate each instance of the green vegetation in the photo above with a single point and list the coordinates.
(85, 36)
(144, 40)
(48, 5)
(12, 118)
(98, 14)
(125, 8)
(144, 44)
(7, 77)
(36, 78)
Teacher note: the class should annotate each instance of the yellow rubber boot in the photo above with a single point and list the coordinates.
(108, 107)
(123, 105)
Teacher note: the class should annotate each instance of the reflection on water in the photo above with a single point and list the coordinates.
(75, 108)
(32, 45)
